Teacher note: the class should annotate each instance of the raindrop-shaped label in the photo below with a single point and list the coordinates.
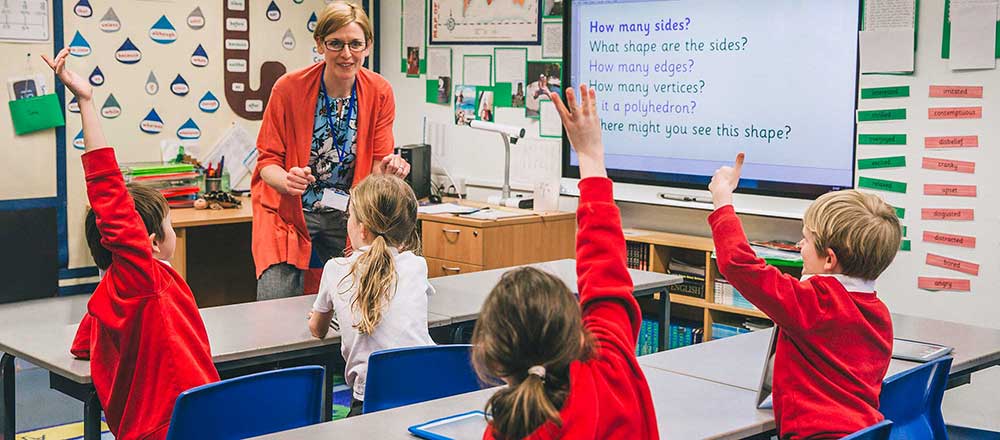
(199, 58)
(83, 9)
(152, 123)
(273, 12)
(152, 85)
(111, 108)
(110, 21)
(163, 31)
(128, 53)
(312, 22)
(196, 19)
(179, 87)
(288, 41)
(97, 77)
(189, 130)
(209, 103)
(73, 106)
(78, 46)
(78, 141)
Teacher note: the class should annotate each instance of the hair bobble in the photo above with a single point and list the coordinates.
(537, 370)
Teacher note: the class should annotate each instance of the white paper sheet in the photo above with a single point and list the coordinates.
(438, 62)
(888, 50)
(240, 151)
(889, 14)
(549, 122)
(476, 70)
(552, 40)
(413, 24)
(510, 65)
(973, 35)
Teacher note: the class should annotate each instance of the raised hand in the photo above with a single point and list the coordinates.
(583, 128)
(75, 83)
(724, 182)
(297, 180)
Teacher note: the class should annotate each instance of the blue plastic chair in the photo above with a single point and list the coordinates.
(956, 432)
(878, 431)
(249, 406)
(405, 376)
(912, 401)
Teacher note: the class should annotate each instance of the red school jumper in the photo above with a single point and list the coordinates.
(608, 395)
(833, 345)
(142, 332)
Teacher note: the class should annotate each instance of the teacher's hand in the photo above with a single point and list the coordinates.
(297, 180)
(392, 164)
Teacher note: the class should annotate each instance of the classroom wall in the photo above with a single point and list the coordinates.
(35, 154)
(476, 158)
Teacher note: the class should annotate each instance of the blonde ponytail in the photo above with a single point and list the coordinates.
(375, 272)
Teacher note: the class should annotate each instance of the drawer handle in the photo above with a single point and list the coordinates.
(452, 231)
(451, 269)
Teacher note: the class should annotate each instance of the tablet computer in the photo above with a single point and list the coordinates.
(764, 390)
(916, 351)
(464, 426)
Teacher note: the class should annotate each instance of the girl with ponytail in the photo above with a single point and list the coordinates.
(569, 364)
(379, 293)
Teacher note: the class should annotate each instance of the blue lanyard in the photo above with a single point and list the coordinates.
(342, 150)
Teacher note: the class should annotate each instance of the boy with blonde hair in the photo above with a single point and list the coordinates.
(834, 335)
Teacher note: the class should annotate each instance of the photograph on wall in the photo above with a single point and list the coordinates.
(485, 108)
(485, 22)
(543, 77)
(465, 104)
(412, 61)
(552, 8)
(444, 90)
(517, 95)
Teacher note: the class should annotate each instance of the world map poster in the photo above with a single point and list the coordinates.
(485, 21)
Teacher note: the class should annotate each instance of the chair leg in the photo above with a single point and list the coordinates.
(7, 412)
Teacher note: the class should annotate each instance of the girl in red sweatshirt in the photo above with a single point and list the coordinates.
(570, 366)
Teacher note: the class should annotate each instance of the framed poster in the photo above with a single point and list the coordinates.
(494, 22)
(371, 7)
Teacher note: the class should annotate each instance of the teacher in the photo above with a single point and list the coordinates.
(326, 128)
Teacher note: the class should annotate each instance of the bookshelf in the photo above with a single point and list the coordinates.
(665, 251)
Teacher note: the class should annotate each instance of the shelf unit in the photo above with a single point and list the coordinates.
(706, 311)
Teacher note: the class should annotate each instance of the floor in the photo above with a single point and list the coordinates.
(43, 414)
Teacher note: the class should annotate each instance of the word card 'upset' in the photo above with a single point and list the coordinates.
(931, 189)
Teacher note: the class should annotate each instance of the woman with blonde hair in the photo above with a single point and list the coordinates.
(326, 127)
(378, 295)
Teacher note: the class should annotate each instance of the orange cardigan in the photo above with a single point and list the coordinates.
(285, 138)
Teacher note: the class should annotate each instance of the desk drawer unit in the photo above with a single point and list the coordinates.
(453, 243)
(437, 267)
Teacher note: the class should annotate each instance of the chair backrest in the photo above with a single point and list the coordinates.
(878, 431)
(912, 401)
(249, 406)
(404, 376)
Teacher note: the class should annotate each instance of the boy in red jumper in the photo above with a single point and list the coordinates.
(142, 332)
(834, 334)
(570, 365)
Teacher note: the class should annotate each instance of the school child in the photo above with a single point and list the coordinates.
(379, 293)
(570, 366)
(834, 334)
(142, 332)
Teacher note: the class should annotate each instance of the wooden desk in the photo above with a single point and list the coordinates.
(686, 408)
(213, 253)
(454, 245)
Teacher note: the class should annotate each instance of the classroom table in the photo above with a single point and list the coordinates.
(686, 408)
(460, 297)
(42, 331)
(975, 348)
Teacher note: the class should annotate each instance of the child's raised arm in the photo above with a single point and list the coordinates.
(93, 135)
(609, 309)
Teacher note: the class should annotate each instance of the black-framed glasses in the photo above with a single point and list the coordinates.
(337, 45)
